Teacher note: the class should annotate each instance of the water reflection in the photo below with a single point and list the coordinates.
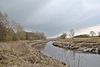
(72, 58)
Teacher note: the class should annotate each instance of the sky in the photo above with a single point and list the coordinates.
(54, 17)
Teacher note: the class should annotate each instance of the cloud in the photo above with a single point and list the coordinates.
(53, 16)
(20, 10)
(88, 29)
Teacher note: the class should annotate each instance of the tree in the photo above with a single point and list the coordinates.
(72, 33)
(9, 30)
(92, 33)
(63, 36)
(4, 28)
(39, 36)
(35, 36)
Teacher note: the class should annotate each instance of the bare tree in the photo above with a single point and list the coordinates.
(92, 33)
(20, 33)
(72, 33)
(7, 29)
(10, 30)
(4, 27)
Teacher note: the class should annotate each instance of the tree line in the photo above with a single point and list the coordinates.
(12, 31)
(72, 35)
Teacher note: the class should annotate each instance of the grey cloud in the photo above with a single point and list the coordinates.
(51, 16)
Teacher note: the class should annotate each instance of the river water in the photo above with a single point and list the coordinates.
(72, 58)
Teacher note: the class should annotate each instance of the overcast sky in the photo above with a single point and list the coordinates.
(53, 16)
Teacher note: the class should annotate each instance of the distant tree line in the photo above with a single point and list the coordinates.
(12, 31)
(35, 36)
(72, 35)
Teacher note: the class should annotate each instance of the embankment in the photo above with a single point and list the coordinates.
(22, 54)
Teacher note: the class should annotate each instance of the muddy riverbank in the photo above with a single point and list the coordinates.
(24, 54)
(87, 45)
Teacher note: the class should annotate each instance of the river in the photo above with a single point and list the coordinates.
(72, 58)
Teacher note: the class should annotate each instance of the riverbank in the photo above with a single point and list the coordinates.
(24, 54)
(87, 45)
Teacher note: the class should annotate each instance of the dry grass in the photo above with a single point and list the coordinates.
(20, 54)
(87, 41)
(90, 41)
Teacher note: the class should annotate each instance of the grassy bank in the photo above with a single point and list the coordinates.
(22, 54)
(90, 44)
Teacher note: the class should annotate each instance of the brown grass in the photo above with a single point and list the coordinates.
(21, 54)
